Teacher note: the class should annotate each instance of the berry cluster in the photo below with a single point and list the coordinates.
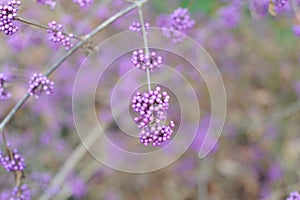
(3, 94)
(178, 24)
(151, 107)
(143, 61)
(137, 27)
(294, 196)
(156, 135)
(14, 162)
(58, 36)
(8, 14)
(21, 193)
(83, 3)
(40, 84)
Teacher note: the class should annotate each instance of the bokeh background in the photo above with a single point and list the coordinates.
(257, 155)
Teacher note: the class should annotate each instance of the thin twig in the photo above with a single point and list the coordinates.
(67, 167)
(13, 111)
(25, 21)
(145, 43)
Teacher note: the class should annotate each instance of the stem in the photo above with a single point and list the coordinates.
(5, 142)
(13, 111)
(25, 21)
(59, 178)
(145, 43)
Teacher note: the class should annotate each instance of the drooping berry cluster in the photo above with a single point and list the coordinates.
(40, 84)
(83, 3)
(8, 14)
(3, 94)
(156, 135)
(178, 24)
(13, 162)
(152, 107)
(143, 61)
(21, 193)
(294, 196)
(137, 27)
(58, 36)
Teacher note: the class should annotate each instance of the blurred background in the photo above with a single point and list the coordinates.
(257, 156)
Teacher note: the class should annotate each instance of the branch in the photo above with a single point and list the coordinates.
(145, 42)
(25, 21)
(59, 178)
(13, 111)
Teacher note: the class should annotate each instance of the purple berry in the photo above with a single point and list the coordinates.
(83, 3)
(137, 27)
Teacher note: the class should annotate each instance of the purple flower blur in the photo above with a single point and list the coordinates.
(178, 24)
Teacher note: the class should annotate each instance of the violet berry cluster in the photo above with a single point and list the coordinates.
(152, 107)
(3, 93)
(58, 36)
(178, 24)
(13, 162)
(21, 193)
(18, 193)
(143, 61)
(83, 3)
(136, 27)
(40, 84)
(8, 13)
(294, 196)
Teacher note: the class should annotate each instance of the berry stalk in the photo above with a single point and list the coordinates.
(145, 43)
(25, 21)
